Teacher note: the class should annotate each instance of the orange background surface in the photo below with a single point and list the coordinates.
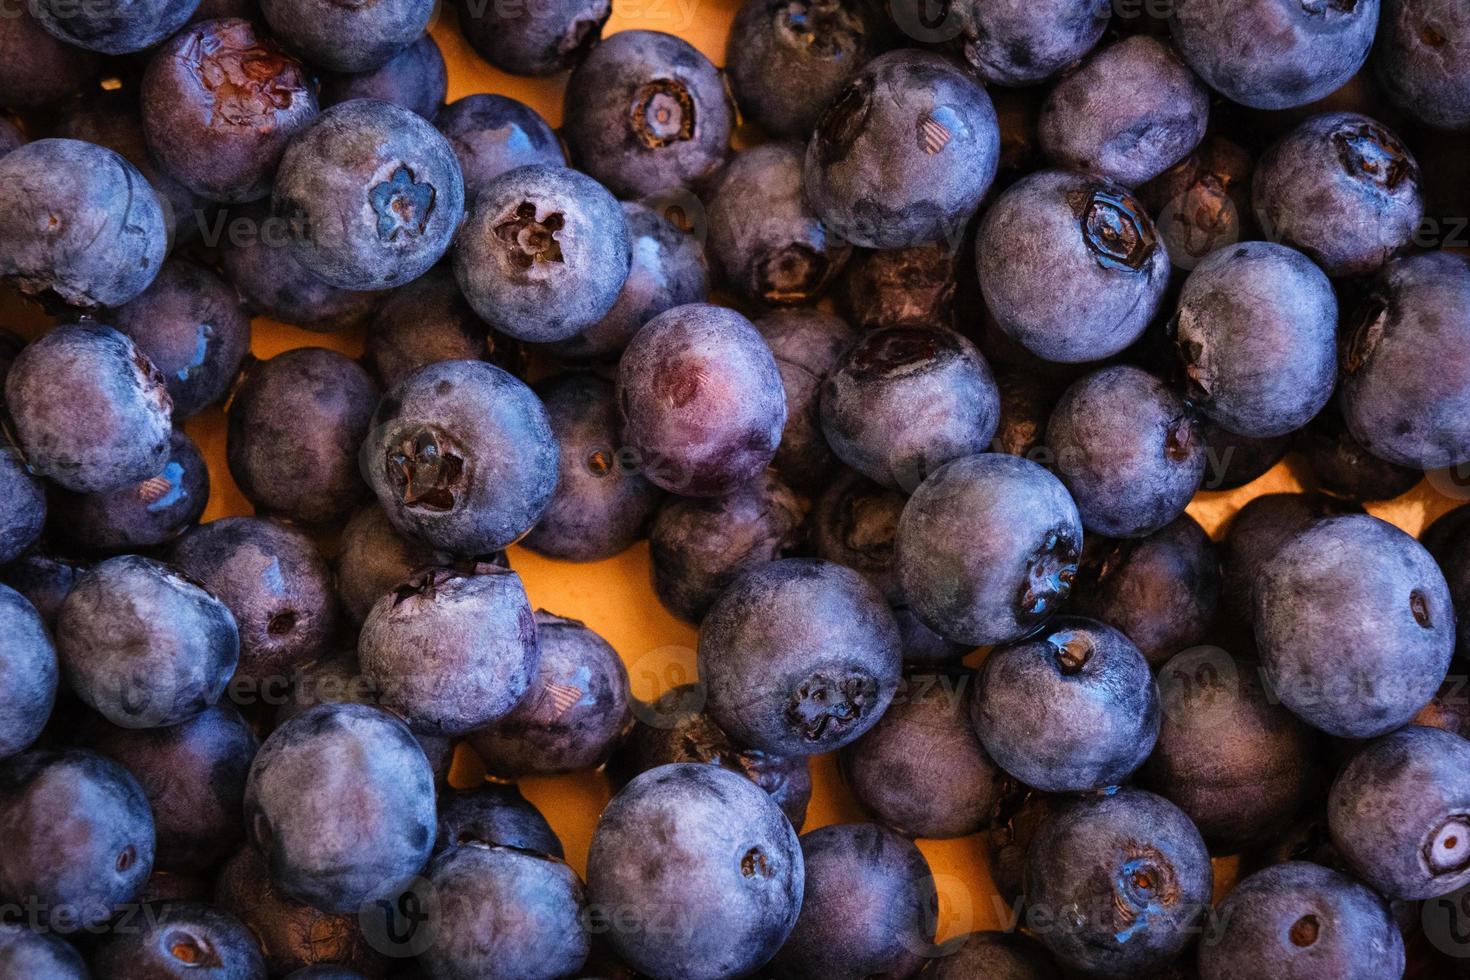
(614, 597)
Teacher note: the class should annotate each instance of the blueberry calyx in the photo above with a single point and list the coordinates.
(1049, 576)
(1372, 154)
(531, 240)
(1448, 849)
(1180, 438)
(822, 703)
(753, 864)
(1304, 931)
(823, 26)
(426, 470)
(1071, 650)
(1363, 339)
(1419, 606)
(1115, 229)
(189, 949)
(663, 113)
(402, 205)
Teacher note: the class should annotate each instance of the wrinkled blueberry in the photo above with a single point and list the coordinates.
(415, 79)
(348, 37)
(855, 523)
(1203, 202)
(28, 673)
(900, 287)
(492, 134)
(145, 515)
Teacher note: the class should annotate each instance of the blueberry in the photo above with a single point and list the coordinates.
(1301, 920)
(184, 939)
(543, 253)
(903, 401)
(904, 154)
(113, 119)
(193, 775)
(1161, 591)
(1128, 449)
(145, 515)
(1229, 755)
(295, 428)
(1019, 815)
(293, 935)
(348, 38)
(1397, 813)
(645, 112)
(44, 579)
(668, 269)
(1070, 709)
(900, 287)
(774, 42)
(37, 68)
(601, 505)
(495, 814)
(256, 256)
(1026, 402)
(921, 769)
(1453, 556)
(462, 457)
(1092, 272)
(702, 400)
(369, 219)
(1272, 55)
(1342, 188)
(1423, 62)
(220, 102)
(987, 548)
(921, 645)
(1203, 202)
(10, 136)
(505, 912)
(807, 345)
(111, 27)
(869, 906)
(1342, 466)
(318, 851)
(1233, 461)
(28, 673)
(999, 955)
(539, 39)
(374, 557)
(675, 728)
(428, 321)
(275, 583)
(1026, 43)
(1122, 878)
(91, 410)
(22, 503)
(104, 236)
(492, 134)
(764, 240)
(1256, 330)
(1355, 625)
(452, 651)
(25, 952)
(1402, 397)
(1256, 534)
(415, 79)
(145, 645)
(79, 837)
(855, 523)
(699, 546)
(699, 869)
(191, 325)
(1133, 110)
(772, 689)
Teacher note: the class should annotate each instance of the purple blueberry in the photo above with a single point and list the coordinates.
(1257, 532)
(1355, 625)
(183, 939)
(37, 68)
(869, 906)
(374, 557)
(601, 505)
(275, 583)
(1071, 266)
(462, 457)
(428, 321)
(415, 79)
(1203, 202)
(28, 674)
(922, 770)
(104, 235)
(999, 955)
(807, 345)
(144, 644)
(1022, 42)
(700, 871)
(1026, 403)
(295, 428)
(1340, 465)
(1342, 188)
(318, 851)
(763, 239)
(220, 102)
(26, 952)
(1423, 61)
(903, 401)
(79, 837)
(1132, 111)
(543, 253)
(1073, 708)
(904, 153)
(495, 814)
(900, 287)
(23, 506)
(646, 112)
(987, 548)
(452, 651)
(348, 37)
(492, 134)
(145, 515)
(772, 688)
(534, 39)
(113, 27)
(855, 523)
(44, 579)
(1129, 450)
(702, 400)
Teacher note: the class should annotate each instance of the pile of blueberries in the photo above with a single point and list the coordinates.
(1002, 284)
